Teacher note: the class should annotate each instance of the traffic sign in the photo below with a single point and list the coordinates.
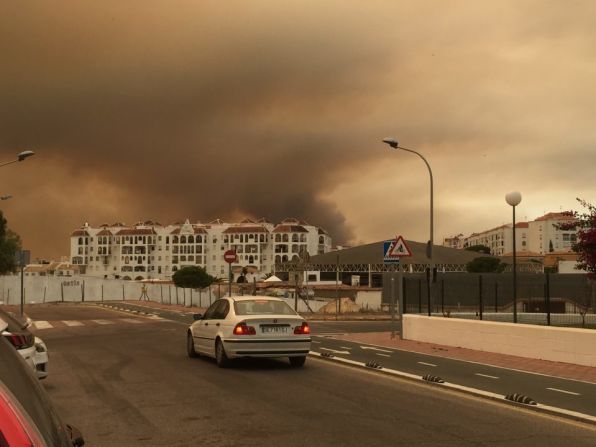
(230, 256)
(395, 249)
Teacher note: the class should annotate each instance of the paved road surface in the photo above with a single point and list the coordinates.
(132, 384)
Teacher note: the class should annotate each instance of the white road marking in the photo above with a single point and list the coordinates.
(427, 364)
(103, 321)
(130, 320)
(336, 352)
(375, 349)
(382, 355)
(43, 325)
(563, 391)
(486, 375)
(476, 391)
(72, 323)
(345, 347)
(317, 342)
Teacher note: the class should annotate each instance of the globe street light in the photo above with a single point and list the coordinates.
(20, 157)
(429, 249)
(514, 199)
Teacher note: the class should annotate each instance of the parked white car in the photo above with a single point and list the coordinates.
(32, 349)
(249, 326)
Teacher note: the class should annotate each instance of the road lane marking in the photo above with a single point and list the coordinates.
(336, 352)
(317, 342)
(486, 375)
(474, 391)
(345, 347)
(427, 364)
(382, 355)
(563, 391)
(103, 321)
(375, 349)
(72, 323)
(43, 325)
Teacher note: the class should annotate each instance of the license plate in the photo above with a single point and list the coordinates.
(274, 329)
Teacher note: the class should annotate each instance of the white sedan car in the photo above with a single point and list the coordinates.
(249, 326)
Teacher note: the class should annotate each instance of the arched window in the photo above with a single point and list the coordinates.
(295, 238)
(303, 237)
(175, 240)
(284, 258)
(278, 259)
(294, 248)
(278, 237)
(80, 241)
(191, 239)
(199, 240)
(183, 239)
(295, 258)
(251, 259)
(285, 238)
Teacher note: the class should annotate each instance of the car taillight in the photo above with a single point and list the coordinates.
(18, 341)
(15, 426)
(244, 329)
(302, 330)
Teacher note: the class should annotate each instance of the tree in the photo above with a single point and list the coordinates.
(10, 245)
(585, 245)
(550, 246)
(193, 278)
(479, 248)
(485, 264)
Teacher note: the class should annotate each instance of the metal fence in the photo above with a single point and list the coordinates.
(546, 299)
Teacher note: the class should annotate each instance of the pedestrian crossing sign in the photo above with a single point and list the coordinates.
(394, 249)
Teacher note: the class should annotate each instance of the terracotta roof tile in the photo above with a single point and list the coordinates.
(290, 229)
(79, 233)
(135, 231)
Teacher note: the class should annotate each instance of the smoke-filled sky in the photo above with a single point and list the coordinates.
(168, 109)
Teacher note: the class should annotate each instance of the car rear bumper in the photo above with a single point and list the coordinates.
(267, 348)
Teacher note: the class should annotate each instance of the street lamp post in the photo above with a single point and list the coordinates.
(20, 157)
(514, 199)
(392, 142)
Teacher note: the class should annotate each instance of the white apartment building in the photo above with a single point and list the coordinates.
(149, 250)
(538, 237)
(546, 236)
(500, 239)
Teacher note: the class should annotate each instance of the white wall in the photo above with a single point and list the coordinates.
(569, 345)
(369, 299)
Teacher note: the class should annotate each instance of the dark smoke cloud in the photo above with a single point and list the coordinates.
(147, 109)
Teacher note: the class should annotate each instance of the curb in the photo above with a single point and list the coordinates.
(538, 408)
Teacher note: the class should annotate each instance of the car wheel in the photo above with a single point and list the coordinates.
(220, 355)
(190, 346)
(297, 362)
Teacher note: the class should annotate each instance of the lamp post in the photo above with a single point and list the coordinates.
(392, 142)
(20, 157)
(514, 199)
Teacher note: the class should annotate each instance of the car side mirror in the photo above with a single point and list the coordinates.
(197, 317)
(75, 436)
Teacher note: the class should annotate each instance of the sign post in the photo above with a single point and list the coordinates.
(393, 251)
(23, 258)
(230, 257)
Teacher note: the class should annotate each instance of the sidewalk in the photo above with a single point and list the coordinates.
(383, 339)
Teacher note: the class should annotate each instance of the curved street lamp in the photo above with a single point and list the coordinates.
(514, 199)
(20, 157)
(392, 142)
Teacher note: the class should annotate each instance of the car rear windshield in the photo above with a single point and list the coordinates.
(262, 307)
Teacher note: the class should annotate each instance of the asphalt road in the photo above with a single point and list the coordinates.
(125, 383)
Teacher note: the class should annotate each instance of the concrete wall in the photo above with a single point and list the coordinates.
(569, 345)
(369, 300)
(49, 289)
